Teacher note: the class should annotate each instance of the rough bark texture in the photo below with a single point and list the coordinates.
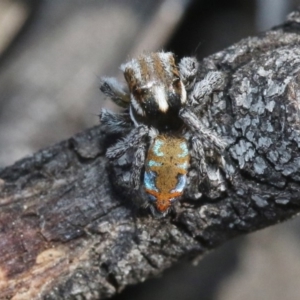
(65, 233)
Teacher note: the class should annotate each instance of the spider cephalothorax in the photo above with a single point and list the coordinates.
(162, 99)
(156, 90)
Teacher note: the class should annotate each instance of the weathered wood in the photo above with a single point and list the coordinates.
(65, 232)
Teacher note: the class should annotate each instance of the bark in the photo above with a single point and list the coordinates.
(66, 233)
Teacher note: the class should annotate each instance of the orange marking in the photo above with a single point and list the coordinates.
(130, 78)
(167, 172)
(158, 67)
(163, 201)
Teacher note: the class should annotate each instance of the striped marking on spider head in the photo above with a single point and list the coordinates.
(154, 83)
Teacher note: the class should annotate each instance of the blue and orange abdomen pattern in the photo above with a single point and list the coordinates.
(166, 168)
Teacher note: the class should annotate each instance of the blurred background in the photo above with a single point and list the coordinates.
(52, 54)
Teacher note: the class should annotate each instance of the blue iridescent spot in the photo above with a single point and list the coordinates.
(180, 184)
(183, 166)
(184, 149)
(153, 163)
(156, 148)
(149, 181)
(152, 198)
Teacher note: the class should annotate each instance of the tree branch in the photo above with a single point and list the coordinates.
(66, 234)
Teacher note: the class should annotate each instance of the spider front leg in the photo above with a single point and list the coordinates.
(117, 92)
(132, 140)
(113, 123)
(188, 67)
(212, 82)
(206, 136)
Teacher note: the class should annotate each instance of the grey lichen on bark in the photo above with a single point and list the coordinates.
(65, 232)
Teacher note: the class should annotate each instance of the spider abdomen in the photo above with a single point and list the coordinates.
(166, 168)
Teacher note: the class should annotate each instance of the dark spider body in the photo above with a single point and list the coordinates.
(162, 100)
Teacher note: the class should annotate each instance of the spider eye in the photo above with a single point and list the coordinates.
(176, 82)
(140, 91)
(130, 77)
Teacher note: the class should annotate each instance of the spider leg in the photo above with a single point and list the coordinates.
(198, 154)
(140, 158)
(188, 67)
(206, 136)
(207, 152)
(212, 82)
(132, 140)
(137, 165)
(117, 92)
(115, 122)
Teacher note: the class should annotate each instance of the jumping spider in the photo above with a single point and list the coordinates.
(161, 101)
